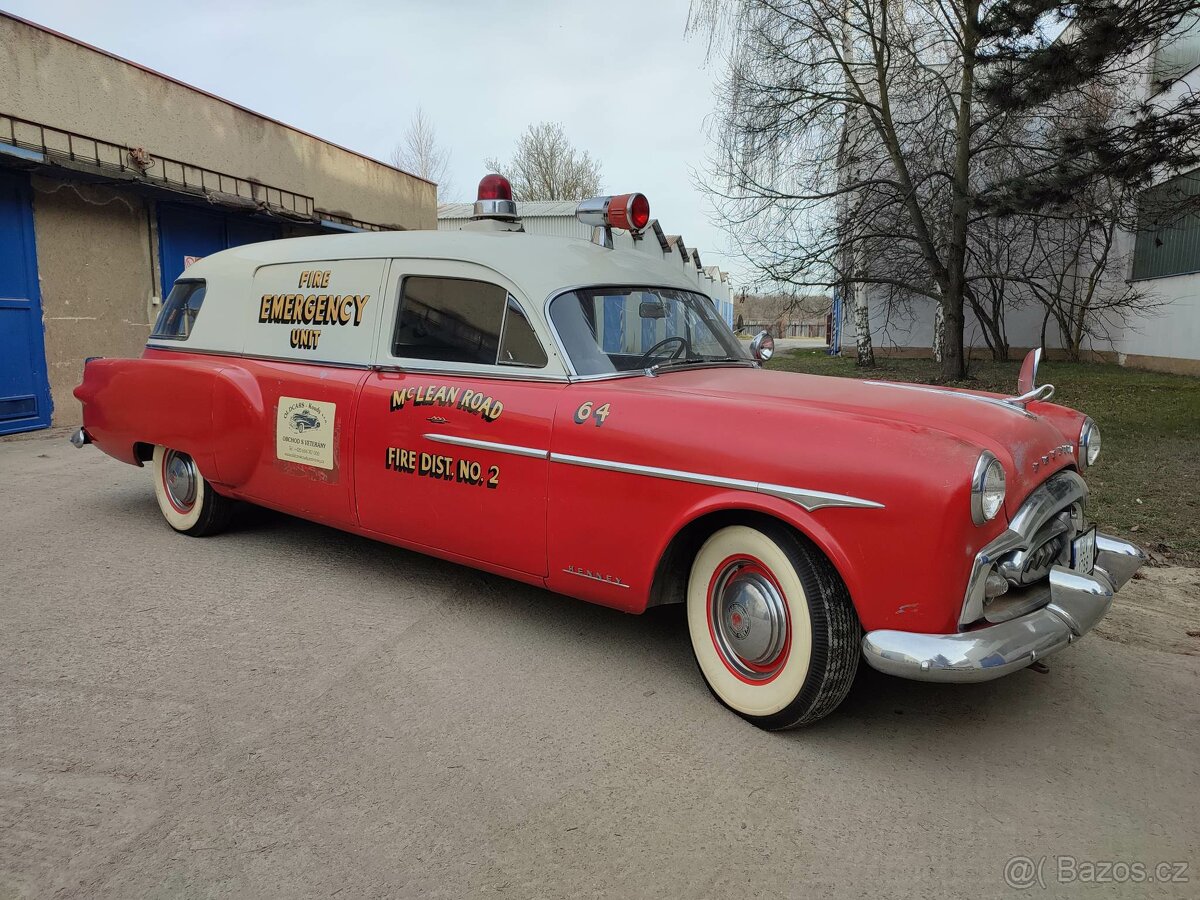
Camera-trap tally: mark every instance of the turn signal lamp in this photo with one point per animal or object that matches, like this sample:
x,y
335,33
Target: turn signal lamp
x,y
630,212
494,199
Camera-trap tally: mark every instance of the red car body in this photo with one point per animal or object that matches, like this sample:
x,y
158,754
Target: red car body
x,y
725,422
604,485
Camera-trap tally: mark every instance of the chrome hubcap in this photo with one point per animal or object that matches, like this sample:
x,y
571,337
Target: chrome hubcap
x,y
748,616
180,478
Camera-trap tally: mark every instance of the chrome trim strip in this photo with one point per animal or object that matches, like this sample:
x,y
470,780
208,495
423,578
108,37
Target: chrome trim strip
x,y
809,499
607,376
259,356
511,375
659,369
530,375
1002,404
512,449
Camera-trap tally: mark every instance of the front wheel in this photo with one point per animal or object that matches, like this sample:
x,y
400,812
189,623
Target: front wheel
x,y
187,501
772,626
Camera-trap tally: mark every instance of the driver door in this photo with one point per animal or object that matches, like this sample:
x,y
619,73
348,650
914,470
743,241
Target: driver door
x,y
454,424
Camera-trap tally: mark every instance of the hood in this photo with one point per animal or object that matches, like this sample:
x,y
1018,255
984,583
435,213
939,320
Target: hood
x,y
1018,437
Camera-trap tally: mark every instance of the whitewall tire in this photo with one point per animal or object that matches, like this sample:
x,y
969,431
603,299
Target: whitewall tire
x,y
772,626
186,499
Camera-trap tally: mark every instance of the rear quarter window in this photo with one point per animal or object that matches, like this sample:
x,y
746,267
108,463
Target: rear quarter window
x,y
180,310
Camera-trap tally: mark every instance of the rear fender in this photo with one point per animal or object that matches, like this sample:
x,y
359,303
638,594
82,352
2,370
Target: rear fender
x,y
203,409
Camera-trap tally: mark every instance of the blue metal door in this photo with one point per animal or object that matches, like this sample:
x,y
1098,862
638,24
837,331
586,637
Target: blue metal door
x,y
24,388
186,233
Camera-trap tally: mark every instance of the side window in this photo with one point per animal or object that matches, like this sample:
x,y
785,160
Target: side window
x,y
464,321
179,311
519,346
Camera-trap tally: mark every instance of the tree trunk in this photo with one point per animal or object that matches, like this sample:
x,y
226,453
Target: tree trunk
x,y
865,357
939,334
954,362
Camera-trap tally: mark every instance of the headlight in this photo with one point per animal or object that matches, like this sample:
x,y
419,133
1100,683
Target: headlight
x,y
1089,443
987,488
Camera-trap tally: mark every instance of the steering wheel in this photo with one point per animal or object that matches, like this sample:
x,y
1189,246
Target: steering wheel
x,y
684,348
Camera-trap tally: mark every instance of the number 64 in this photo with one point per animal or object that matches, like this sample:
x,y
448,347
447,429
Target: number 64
x,y
586,412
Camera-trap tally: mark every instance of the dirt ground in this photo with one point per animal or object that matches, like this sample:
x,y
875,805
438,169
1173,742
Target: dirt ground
x,y
289,711
1158,610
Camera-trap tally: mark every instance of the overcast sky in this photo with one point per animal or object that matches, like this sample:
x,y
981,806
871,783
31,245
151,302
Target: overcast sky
x,y
621,75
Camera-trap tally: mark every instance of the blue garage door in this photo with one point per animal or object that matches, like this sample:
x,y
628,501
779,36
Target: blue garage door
x,y
24,390
186,233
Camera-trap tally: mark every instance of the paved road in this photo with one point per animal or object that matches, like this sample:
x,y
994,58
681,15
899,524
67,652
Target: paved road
x,y
289,711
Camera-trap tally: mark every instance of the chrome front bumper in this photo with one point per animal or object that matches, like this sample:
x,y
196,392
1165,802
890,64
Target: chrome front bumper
x,y
1077,603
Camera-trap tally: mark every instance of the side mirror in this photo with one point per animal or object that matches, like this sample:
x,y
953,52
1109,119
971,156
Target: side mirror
x,y
763,346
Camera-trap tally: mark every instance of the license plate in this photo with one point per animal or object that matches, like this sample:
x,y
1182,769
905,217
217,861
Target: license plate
x,y
1083,552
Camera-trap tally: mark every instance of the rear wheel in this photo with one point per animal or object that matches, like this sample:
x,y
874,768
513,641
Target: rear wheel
x,y
188,502
772,626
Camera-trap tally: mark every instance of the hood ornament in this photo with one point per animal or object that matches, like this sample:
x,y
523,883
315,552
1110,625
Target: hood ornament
x,y
1027,381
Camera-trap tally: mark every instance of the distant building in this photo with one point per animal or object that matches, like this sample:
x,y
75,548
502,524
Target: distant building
x,y
557,218
1161,261
113,178
783,315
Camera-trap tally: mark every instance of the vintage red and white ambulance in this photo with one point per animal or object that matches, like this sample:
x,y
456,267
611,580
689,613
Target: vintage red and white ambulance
x,y
575,415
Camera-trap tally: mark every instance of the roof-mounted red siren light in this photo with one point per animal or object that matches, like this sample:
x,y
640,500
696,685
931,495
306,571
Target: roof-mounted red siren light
x,y
628,211
494,199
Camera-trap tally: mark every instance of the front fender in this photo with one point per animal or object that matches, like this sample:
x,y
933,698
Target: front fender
x,y
813,525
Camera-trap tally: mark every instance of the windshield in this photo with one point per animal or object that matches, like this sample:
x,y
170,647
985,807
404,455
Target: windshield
x,y
612,329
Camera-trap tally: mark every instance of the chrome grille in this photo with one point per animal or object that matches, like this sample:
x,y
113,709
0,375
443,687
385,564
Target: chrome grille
x,y
1038,538
1051,546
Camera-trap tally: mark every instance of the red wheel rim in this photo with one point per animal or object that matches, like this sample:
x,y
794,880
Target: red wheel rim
x,y
748,619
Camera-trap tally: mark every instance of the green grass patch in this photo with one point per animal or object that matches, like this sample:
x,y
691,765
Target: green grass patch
x,y
1145,485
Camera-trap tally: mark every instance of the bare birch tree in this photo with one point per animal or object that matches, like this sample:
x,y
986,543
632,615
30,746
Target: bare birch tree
x,y
420,153
855,139
546,166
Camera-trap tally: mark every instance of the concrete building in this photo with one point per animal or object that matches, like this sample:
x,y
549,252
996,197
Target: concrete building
x,y
113,178
1161,262
557,218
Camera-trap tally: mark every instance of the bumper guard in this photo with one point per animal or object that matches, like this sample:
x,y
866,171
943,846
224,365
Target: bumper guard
x,y
1077,603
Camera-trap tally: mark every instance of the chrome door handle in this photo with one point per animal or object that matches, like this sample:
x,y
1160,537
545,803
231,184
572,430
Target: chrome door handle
x,y
436,420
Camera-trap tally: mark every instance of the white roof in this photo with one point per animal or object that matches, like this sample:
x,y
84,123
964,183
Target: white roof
x,y
538,264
